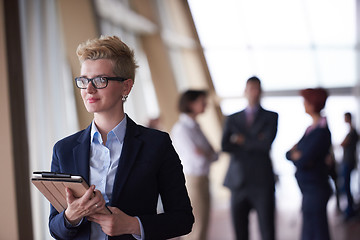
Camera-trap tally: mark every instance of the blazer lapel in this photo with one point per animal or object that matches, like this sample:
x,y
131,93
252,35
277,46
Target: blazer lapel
x,y
241,122
258,120
128,155
81,154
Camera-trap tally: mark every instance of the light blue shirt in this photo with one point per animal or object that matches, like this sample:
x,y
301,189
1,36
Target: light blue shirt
x,y
104,160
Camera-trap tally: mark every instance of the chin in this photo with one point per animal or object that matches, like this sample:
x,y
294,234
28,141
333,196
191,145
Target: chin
x,y
90,109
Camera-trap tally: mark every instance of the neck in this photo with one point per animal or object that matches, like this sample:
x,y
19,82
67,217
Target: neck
x,y
253,104
107,123
192,115
316,118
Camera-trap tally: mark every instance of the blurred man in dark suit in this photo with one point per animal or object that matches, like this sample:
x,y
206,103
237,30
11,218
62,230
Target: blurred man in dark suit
x,y
248,136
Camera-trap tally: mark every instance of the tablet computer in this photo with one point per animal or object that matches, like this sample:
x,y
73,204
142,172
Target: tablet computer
x,y
52,185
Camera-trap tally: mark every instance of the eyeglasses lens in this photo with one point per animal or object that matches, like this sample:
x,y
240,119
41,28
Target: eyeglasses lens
x,y
82,82
100,82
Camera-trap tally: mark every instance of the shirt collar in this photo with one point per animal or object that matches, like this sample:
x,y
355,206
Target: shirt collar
x,y
253,109
321,124
118,131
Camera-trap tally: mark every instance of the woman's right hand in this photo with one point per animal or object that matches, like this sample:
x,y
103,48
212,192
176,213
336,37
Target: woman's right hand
x,y
90,203
295,155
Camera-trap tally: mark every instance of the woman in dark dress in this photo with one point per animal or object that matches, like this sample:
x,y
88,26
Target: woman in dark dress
x,y
309,156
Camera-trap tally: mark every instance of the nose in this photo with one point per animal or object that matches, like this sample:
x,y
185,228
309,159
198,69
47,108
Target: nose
x,y
90,88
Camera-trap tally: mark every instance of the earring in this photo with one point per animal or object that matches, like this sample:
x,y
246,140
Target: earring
x,y
124,98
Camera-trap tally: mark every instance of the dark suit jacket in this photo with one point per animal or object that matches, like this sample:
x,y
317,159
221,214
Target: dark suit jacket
x,y
148,166
250,164
311,168
350,153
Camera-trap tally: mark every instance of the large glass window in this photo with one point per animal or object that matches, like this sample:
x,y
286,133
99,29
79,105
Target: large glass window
x,y
143,103
288,44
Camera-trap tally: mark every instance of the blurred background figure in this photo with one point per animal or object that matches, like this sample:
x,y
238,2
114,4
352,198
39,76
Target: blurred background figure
x,y
312,173
349,163
334,175
155,123
196,155
248,136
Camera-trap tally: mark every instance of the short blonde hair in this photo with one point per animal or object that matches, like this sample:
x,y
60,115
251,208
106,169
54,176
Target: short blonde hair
x,y
109,47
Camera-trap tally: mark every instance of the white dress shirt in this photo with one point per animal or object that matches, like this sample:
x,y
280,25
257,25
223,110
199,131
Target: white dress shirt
x,y
192,146
104,160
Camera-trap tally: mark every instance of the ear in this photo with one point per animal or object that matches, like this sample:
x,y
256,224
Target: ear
x,y
128,84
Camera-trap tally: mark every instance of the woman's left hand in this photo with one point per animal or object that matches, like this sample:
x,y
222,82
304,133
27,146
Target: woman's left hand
x,y
117,223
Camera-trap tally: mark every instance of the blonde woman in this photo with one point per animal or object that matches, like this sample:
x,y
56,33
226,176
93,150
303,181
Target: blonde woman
x,y
127,165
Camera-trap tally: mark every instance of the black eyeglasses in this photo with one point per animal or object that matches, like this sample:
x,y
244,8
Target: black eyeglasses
x,y
97,82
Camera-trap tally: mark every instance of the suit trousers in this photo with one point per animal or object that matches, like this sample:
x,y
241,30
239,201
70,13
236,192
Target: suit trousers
x,y
263,202
346,174
314,210
198,190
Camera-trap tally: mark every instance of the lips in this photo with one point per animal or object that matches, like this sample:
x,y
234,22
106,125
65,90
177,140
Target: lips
x,y
92,100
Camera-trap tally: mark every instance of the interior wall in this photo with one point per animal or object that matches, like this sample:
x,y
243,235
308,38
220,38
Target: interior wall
x,y
159,63
15,200
197,71
78,25
8,224
199,77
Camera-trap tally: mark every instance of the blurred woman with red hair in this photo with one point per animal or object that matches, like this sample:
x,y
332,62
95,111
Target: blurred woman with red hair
x,y
309,156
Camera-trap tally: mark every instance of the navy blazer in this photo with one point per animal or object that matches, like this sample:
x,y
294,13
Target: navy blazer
x,y
148,166
250,164
311,168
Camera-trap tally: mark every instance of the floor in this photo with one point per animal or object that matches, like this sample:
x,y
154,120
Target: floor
x,y
288,214
288,223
